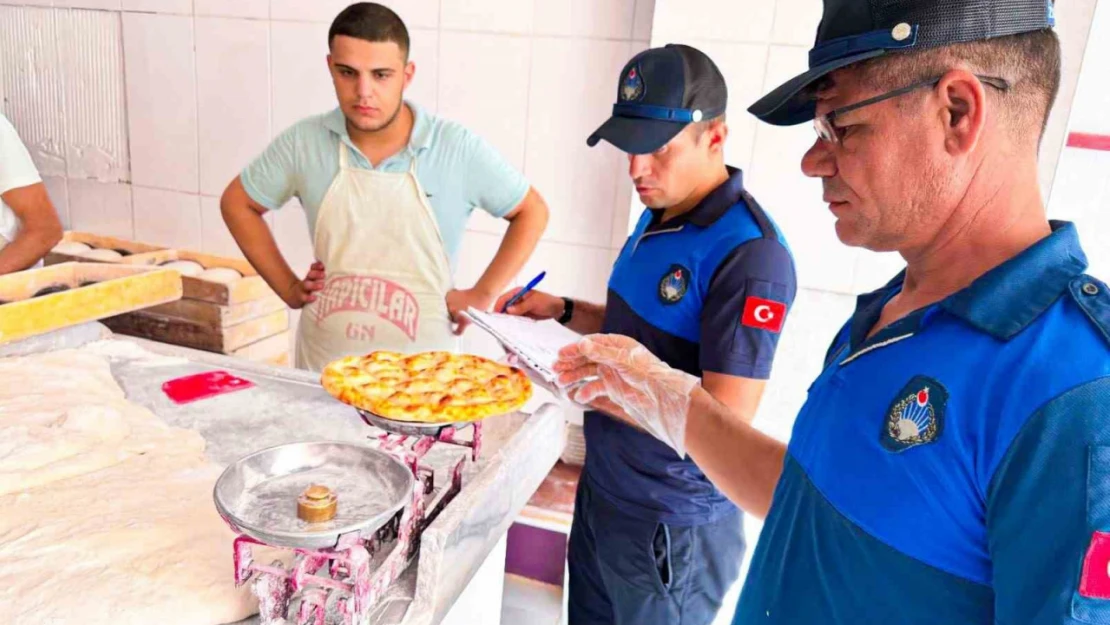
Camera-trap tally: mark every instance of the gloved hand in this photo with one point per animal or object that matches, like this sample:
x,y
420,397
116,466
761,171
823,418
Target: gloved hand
x,y
651,394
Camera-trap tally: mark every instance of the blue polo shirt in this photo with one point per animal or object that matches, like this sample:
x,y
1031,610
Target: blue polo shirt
x,y
955,467
706,291
458,170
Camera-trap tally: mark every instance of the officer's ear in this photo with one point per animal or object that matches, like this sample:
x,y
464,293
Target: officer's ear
x,y
715,133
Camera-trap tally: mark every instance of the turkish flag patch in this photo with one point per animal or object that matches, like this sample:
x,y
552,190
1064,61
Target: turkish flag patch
x,y
763,314
1095,581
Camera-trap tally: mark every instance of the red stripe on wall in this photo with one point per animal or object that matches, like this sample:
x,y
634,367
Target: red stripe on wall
x,y
1089,141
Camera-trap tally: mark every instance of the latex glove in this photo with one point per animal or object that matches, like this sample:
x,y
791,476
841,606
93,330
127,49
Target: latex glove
x,y
651,394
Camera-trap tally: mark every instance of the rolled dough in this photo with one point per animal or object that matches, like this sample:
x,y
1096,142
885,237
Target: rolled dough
x,y
221,274
102,254
73,248
185,267
108,514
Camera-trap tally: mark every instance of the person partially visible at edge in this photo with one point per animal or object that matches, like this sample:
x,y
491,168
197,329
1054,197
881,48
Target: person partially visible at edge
x,y
387,188
29,224
952,461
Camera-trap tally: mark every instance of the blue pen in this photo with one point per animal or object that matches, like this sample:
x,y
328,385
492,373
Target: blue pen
x,y
516,298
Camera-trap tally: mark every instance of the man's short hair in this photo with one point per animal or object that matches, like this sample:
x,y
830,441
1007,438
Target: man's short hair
x,y
1030,62
371,22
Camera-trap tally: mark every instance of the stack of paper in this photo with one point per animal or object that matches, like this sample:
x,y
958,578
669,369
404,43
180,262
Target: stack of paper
x,y
535,343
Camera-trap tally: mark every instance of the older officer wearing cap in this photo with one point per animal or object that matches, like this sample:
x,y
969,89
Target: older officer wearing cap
x,y
704,281
952,462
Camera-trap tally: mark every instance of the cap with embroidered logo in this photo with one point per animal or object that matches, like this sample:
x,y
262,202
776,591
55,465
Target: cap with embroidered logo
x,y
660,92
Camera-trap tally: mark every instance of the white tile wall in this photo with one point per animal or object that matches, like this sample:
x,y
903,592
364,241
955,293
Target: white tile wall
x,y
415,13
299,68
290,229
743,65
641,24
169,218
59,197
214,235
256,9
161,100
581,182
489,16
678,20
100,207
585,18
168,7
492,102
795,22
424,54
233,87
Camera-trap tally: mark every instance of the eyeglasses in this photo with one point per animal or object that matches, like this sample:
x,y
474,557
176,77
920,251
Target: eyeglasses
x,y
830,133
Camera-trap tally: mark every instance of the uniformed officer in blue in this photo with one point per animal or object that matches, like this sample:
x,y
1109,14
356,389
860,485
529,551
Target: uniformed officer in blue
x,y
705,282
952,462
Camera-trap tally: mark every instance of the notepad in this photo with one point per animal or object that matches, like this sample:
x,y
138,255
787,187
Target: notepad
x,y
535,343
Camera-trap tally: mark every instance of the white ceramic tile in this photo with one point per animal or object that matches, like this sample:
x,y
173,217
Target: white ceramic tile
x,y
504,16
743,66
100,207
92,75
796,22
475,254
1094,232
415,13
174,7
1082,185
611,19
161,100
301,83
424,53
491,101
724,20
215,238
32,89
30,3
291,233
256,9
579,182
233,103
104,5
874,269
642,20
626,212
169,218
59,197
572,270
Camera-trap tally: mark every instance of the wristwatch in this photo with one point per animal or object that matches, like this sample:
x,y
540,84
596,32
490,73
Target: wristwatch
x,y
568,311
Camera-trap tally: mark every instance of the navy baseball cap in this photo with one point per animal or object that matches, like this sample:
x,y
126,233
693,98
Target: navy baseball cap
x,y
856,30
660,92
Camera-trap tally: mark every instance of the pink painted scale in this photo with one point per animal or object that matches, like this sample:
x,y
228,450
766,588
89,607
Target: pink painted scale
x,y
347,565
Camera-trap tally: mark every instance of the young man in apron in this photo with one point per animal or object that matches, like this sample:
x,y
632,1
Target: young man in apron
x,y
29,225
704,283
387,189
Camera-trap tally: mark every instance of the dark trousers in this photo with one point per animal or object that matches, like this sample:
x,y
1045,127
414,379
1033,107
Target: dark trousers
x,y
629,571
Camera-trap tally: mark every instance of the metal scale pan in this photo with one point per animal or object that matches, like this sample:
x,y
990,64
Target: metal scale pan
x,y
257,495
410,428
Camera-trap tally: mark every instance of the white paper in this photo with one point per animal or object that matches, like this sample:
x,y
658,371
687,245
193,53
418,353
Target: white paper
x,y
535,343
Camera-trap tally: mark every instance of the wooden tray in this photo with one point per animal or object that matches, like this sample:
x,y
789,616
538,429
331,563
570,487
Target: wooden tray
x,y
97,241
198,335
215,315
95,291
250,287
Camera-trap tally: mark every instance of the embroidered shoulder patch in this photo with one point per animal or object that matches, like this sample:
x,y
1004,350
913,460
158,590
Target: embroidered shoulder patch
x,y
916,416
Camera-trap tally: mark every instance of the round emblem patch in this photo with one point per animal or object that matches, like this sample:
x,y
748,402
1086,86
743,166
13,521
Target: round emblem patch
x,y
674,284
632,87
916,417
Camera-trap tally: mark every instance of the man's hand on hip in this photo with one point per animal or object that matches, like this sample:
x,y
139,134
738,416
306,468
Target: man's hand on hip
x,y
458,300
303,292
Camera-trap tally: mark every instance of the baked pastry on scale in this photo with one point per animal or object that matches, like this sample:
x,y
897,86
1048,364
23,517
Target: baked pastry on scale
x,y
431,387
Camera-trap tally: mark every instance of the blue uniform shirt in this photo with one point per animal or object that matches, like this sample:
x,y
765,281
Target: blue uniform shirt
x,y
955,467
706,291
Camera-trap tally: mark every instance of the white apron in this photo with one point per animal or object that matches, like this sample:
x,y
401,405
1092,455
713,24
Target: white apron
x,y
387,271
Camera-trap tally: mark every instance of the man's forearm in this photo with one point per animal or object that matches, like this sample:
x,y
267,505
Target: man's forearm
x,y
254,238
740,460
28,248
524,232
